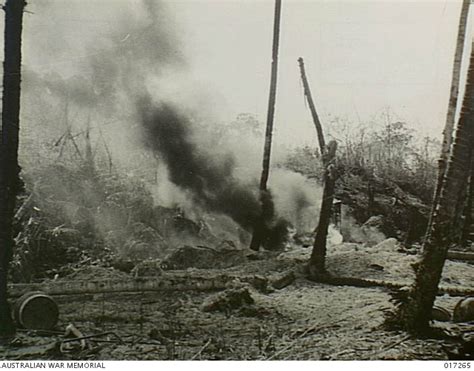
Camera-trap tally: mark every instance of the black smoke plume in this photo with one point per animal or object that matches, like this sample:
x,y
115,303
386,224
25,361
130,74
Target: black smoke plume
x,y
208,179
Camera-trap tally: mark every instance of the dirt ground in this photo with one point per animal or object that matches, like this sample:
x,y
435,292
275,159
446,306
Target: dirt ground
x,y
302,321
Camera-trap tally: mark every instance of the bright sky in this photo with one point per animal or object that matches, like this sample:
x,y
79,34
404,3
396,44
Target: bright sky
x,y
362,57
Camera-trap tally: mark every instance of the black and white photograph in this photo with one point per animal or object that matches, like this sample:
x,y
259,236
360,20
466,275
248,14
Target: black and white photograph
x,y
236,180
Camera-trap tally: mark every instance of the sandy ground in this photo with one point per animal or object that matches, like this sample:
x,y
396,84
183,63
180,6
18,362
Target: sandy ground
x,y
303,321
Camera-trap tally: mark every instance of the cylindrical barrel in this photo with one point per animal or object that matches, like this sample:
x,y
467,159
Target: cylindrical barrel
x,y
464,310
36,311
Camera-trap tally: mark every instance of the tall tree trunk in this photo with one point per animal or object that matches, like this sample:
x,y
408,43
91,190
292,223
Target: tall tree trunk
x,y
453,100
415,313
259,230
9,169
317,262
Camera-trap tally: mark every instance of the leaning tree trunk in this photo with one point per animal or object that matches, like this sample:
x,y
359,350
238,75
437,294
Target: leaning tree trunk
x,y
317,262
9,170
416,312
312,108
453,100
259,228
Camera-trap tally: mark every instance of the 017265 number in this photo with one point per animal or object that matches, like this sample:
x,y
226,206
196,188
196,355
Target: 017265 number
x,y
458,365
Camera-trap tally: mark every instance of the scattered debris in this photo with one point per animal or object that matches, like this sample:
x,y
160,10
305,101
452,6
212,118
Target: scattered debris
x,y
462,349
228,300
282,280
204,257
376,267
389,245
94,273
198,354
391,346
72,334
22,352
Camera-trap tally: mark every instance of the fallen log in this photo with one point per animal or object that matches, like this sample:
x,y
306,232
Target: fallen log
x,y
363,282
459,255
170,281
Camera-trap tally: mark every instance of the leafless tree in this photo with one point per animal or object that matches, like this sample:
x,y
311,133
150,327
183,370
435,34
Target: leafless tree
x,y
259,230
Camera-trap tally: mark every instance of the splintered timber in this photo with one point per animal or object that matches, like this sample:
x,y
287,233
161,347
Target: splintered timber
x,y
49,365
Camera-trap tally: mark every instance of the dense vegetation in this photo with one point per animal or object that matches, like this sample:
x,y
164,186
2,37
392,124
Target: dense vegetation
x,y
383,170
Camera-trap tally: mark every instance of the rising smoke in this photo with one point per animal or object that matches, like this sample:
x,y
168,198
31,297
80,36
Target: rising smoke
x,y
124,73
209,180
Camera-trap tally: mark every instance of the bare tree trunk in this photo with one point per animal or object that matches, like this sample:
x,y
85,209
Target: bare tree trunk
x,y
317,262
10,182
259,230
453,100
415,313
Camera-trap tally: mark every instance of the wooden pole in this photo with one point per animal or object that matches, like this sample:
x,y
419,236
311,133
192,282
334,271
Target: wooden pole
x,y
258,233
10,183
272,98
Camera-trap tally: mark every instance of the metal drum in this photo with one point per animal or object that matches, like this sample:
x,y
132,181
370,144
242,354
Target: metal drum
x,y
36,311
